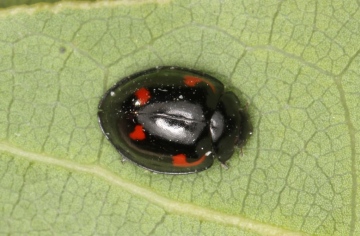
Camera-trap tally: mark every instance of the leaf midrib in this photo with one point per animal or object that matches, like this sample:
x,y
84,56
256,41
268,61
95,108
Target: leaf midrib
x,y
165,203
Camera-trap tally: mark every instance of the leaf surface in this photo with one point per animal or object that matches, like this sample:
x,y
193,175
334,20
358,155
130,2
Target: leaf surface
x,y
296,63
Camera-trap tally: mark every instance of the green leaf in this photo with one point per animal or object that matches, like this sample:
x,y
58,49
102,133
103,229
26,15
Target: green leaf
x,y
296,63
10,3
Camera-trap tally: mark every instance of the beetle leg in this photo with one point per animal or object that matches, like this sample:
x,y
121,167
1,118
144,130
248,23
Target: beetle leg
x,y
226,167
241,151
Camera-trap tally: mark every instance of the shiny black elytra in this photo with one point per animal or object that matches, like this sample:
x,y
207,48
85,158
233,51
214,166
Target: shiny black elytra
x,y
173,120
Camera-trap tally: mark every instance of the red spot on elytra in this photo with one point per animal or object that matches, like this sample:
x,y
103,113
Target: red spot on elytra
x,y
180,161
138,133
192,81
143,95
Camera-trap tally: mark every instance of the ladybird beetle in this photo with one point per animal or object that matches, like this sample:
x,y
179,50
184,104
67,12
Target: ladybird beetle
x,y
173,120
